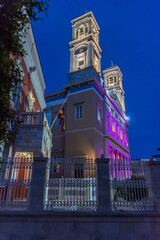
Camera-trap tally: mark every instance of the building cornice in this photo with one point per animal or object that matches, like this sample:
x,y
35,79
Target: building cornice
x,y
80,40
116,142
28,59
89,14
111,69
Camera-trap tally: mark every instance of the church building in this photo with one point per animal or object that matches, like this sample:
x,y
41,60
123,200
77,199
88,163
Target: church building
x,y
93,119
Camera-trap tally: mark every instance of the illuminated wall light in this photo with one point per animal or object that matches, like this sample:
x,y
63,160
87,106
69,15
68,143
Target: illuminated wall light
x,y
127,118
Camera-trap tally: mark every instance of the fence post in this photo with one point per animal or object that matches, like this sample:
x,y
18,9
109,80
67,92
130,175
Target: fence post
x,y
155,178
37,184
103,185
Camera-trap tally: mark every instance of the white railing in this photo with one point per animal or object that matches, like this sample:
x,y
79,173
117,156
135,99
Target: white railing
x,y
15,180
130,186
70,185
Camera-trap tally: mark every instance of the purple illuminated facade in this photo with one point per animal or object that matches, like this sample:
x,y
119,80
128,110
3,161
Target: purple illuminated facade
x,y
116,139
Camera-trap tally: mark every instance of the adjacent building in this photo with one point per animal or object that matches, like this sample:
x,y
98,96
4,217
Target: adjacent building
x,y
34,137
94,107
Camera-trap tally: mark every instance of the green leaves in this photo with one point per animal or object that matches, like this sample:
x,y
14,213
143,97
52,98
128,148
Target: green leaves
x,y
15,18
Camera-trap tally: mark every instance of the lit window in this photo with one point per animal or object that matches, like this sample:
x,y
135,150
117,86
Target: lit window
x,y
30,102
79,111
113,125
121,133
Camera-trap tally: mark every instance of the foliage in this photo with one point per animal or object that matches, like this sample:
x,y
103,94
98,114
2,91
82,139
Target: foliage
x,y
15,18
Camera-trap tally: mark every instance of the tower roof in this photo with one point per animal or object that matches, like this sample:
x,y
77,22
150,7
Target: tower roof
x,y
112,68
89,14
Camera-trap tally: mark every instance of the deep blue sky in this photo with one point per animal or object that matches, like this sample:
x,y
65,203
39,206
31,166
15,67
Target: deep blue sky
x,y
130,36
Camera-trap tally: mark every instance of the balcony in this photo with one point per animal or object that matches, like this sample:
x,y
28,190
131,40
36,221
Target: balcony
x,y
34,134
32,118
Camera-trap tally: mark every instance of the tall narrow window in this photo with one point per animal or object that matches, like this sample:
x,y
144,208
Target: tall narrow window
x,y
78,111
86,28
99,113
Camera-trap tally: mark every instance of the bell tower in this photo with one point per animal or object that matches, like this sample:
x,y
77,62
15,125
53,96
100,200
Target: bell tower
x,y
113,82
84,48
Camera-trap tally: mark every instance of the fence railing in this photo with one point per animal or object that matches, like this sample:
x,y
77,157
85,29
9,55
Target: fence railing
x,y
104,186
130,186
70,185
15,180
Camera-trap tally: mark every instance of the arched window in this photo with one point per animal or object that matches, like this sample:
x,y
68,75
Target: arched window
x,y
115,154
111,80
81,30
110,152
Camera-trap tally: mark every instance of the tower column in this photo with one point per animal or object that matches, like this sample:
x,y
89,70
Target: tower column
x,y
90,54
71,59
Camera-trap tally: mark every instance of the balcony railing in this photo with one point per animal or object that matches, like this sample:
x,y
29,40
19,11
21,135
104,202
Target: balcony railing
x,y
32,118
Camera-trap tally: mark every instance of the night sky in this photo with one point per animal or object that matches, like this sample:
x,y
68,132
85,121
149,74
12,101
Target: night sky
x,y
130,37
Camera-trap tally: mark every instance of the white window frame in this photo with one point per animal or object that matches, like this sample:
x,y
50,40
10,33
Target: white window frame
x,y
78,111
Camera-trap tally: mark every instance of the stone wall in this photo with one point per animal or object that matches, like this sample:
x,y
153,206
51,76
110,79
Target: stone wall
x,y
35,223
79,228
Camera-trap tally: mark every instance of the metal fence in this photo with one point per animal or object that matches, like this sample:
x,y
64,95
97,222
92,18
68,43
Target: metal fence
x,y
130,186
15,180
70,185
